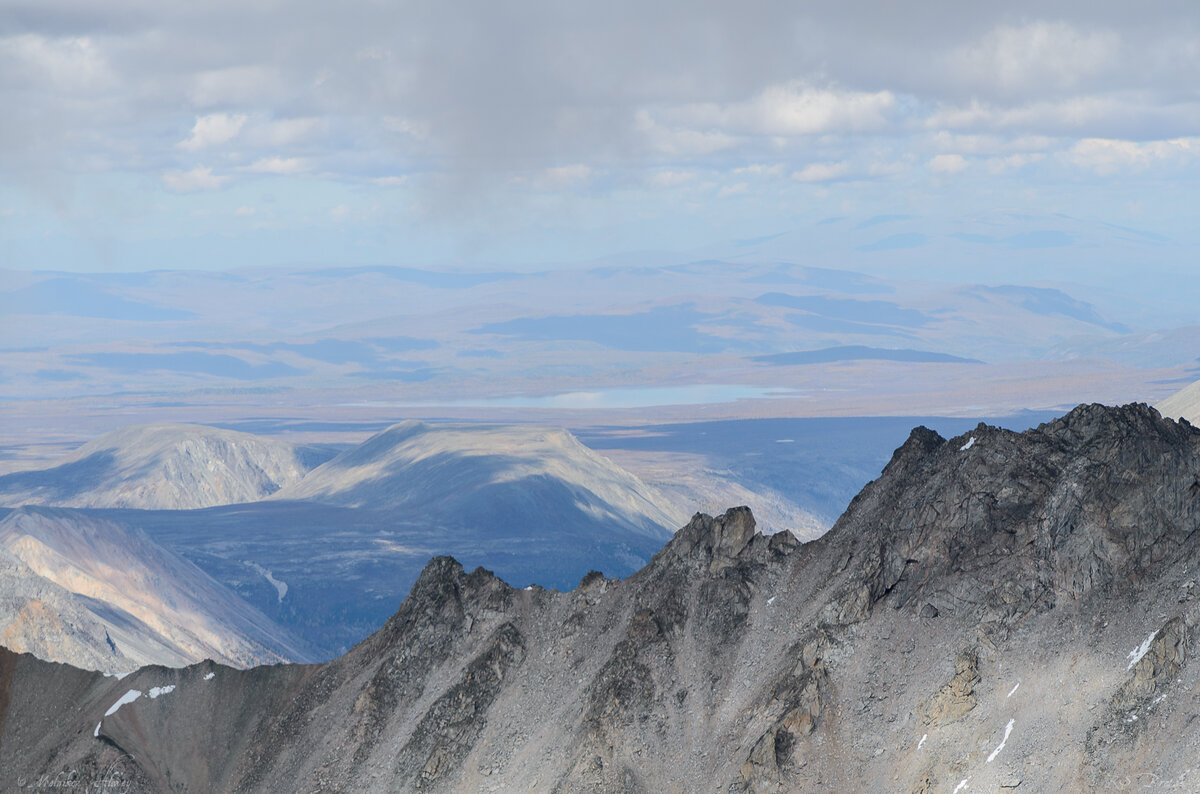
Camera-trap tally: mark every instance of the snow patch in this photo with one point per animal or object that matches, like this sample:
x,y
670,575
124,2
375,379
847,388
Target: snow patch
x,y
770,600
1137,653
155,691
280,587
209,676
97,731
1014,689
1007,730
970,443
128,697
923,738
962,785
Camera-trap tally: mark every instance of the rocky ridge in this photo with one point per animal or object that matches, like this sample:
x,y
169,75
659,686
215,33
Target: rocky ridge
x,y
997,611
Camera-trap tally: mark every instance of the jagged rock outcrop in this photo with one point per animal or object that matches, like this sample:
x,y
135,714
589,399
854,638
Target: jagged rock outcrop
x,y
957,697
996,611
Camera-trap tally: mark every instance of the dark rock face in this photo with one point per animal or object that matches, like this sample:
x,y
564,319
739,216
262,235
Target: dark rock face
x,y
1004,524
1010,610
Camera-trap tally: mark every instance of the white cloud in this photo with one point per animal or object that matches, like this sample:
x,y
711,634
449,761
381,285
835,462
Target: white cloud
x,y
340,212
373,52
670,179
237,85
1075,113
282,132
799,109
947,163
739,189
820,172
564,175
794,108
758,169
244,211
213,130
802,95
199,178
279,165
410,127
887,168
950,142
679,141
71,64
1035,57
1012,162
1106,155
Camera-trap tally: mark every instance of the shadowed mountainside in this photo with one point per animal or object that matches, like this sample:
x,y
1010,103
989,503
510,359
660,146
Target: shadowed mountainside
x,y
482,475
998,610
102,595
164,467
326,564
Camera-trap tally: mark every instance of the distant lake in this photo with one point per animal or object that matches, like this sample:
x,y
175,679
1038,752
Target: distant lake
x,y
695,394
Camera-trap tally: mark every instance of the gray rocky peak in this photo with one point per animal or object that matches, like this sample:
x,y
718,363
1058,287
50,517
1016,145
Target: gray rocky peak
x,y
996,611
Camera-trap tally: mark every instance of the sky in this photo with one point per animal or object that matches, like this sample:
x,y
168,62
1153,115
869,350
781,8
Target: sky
x,y
144,134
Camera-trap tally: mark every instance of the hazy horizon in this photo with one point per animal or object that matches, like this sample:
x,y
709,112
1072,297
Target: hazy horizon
x,y
1054,141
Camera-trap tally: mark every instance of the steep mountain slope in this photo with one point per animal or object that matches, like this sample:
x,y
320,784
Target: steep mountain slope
x,y
1183,404
998,611
485,475
163,467
329,562
104,596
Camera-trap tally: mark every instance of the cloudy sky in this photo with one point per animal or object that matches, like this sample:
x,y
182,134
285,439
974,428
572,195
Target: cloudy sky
x,y
142,134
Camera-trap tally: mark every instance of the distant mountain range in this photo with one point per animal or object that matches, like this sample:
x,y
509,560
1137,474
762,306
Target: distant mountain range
x,y
1183,404
164,467
293,559
484,475
998,611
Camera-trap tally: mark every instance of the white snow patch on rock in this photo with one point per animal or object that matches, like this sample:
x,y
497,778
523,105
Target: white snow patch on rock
x,y
970,443
1014,689
923,738
962,785
770,600
128,697
1007,730
155,691
1137,653
209,676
